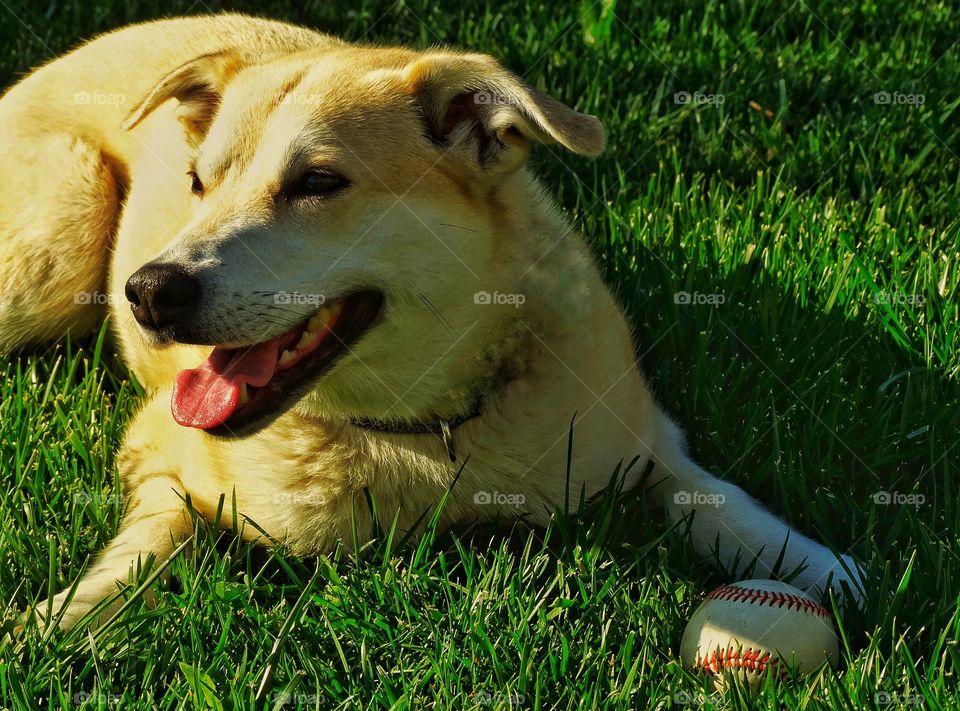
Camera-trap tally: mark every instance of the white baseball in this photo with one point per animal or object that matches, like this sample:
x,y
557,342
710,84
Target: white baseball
x,y
759,626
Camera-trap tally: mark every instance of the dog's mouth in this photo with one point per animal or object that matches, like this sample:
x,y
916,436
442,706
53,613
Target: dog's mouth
x,y
238,390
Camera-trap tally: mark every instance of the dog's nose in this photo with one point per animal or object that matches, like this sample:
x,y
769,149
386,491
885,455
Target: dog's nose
x,y
159,294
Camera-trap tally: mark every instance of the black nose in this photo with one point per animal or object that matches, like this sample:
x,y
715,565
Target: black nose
x,y
160,294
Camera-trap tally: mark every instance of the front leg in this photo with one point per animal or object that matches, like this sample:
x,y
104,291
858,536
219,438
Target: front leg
x,y
161,466
156,522
722,513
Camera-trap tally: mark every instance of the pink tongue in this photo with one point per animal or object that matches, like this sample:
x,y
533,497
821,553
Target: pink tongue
x,y
207,396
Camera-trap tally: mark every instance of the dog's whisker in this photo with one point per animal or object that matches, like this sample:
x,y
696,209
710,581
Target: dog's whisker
x,y
459,227
433,309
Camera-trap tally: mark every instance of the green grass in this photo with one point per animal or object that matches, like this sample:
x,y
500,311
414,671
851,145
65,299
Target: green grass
x,y
806,385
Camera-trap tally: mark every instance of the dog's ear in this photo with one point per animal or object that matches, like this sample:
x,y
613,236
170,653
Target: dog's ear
x,y
470,101
197,85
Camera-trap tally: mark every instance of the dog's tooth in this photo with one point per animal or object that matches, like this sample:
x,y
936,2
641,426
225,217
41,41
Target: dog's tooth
x,y
318,322
306,339
244,395
285,357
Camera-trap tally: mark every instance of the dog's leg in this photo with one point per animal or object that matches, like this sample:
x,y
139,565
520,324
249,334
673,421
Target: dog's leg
x,y
723,514
155,523
58,208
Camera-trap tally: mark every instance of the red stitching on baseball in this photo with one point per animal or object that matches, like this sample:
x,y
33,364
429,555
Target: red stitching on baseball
x,y
755,661
765,597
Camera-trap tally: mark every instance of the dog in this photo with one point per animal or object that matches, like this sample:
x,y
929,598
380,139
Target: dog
x,y
333,272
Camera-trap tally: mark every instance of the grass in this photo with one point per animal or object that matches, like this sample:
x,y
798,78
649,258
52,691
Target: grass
x,y
827,222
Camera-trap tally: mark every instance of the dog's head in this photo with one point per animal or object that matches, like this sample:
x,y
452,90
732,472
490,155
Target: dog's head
x,y
363,220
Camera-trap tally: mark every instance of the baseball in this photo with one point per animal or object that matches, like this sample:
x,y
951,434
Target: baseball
x,y
759,626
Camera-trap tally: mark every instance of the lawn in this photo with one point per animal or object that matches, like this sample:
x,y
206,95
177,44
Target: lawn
x,y
791,171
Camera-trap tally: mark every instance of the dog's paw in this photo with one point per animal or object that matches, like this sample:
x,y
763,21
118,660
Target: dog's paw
x,y
843,575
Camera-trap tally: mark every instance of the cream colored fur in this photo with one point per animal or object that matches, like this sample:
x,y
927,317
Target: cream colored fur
x,y
96,190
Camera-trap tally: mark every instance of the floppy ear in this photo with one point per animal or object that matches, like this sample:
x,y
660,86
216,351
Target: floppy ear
x,y
198,85
470,101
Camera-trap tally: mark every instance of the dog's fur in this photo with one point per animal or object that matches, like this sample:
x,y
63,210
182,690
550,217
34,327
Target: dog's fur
x,y
440,207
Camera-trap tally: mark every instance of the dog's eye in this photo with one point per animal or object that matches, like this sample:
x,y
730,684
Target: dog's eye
x,y
196,187
316,183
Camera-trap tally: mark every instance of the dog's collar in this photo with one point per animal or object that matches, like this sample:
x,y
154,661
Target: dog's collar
x,y
439,427
508,369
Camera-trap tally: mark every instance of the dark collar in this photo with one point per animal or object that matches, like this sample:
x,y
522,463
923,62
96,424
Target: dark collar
x,y
438,426
505,373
